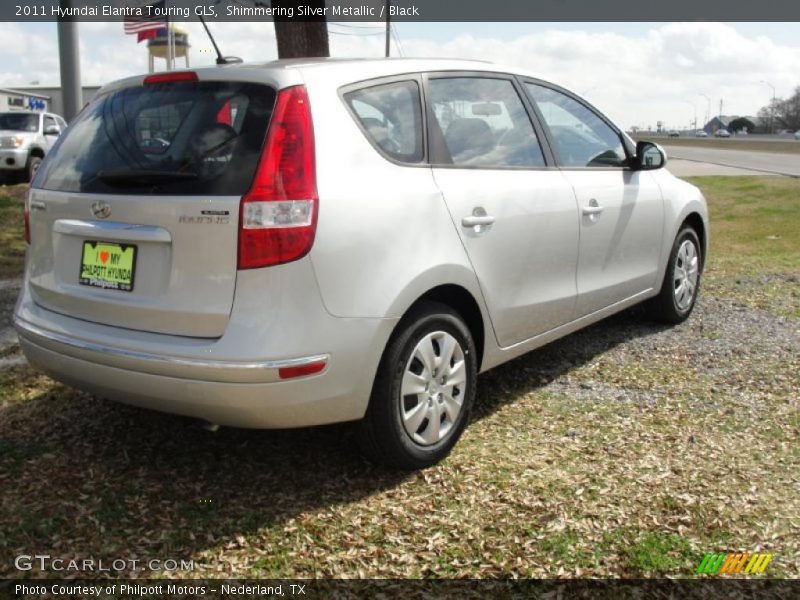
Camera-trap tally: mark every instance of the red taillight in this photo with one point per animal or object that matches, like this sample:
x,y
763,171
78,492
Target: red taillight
x,y
171,77
27,217
302,370
278,216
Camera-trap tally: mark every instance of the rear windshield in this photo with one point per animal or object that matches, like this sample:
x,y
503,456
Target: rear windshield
x,y
19,122
181,138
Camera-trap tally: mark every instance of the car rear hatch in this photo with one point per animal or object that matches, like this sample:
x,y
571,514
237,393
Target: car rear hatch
x,y
134,216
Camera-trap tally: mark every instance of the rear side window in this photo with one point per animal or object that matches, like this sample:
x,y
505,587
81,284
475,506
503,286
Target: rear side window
x,y
391,117
484,123
177,138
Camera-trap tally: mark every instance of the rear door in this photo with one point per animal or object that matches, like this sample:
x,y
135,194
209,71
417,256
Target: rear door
x,y
134,215
516,216
621,210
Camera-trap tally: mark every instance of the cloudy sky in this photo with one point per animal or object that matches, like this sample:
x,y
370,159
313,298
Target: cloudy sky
x,y
638,73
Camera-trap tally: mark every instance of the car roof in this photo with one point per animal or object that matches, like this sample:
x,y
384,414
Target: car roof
x,y
356,68
345,70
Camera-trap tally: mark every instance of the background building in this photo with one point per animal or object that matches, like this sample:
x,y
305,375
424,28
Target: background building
x,y
724,121
23,100
52,96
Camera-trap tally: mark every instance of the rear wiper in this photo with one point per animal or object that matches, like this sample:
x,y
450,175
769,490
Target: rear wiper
x,y
142,176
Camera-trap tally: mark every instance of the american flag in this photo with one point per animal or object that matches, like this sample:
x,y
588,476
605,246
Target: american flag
x,y
146,27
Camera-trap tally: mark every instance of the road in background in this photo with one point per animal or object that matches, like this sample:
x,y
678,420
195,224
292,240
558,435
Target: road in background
x,y
690,168
756,162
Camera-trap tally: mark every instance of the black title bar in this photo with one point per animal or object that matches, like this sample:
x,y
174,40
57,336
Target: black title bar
x,y
406,10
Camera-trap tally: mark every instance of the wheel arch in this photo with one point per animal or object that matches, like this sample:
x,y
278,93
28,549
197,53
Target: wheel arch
x,y
695,221
463,302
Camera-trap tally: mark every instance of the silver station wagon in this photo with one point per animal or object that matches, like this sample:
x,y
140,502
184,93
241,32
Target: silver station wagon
x,y
307,242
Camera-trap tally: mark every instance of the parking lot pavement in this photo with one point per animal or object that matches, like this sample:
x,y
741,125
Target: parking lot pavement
x,y
761,163
690,168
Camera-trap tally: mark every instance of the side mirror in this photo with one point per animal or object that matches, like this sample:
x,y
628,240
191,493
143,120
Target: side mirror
x,y
650,156
52,130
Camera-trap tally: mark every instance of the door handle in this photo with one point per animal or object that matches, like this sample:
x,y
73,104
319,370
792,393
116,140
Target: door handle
x,y
477,220
593,209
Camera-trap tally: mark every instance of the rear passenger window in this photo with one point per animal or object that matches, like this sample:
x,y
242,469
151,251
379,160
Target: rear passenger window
x,y
391,117
484,123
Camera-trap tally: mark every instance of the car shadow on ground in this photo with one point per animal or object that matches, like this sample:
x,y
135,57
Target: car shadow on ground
x,y
83,475
539,368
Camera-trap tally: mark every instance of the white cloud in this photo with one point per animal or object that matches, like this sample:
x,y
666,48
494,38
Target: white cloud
x,y
637,80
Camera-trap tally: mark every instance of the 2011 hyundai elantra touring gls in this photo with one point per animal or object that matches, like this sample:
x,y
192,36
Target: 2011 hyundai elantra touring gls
x,y
306,242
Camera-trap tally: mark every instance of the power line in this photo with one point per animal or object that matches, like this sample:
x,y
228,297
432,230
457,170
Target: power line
x,y
355,34
397,39
351,26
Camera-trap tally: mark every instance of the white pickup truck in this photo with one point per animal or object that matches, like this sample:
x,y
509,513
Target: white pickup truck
x,y
25,139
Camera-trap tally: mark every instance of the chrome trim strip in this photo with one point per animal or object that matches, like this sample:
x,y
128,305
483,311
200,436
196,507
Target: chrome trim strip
x,y
114,229
24,327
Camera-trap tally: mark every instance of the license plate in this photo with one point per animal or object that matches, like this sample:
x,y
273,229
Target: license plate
x,y
108,265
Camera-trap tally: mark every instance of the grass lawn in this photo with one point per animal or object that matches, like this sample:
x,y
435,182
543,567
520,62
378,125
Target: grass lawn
x,y
755,240
12,243
628,449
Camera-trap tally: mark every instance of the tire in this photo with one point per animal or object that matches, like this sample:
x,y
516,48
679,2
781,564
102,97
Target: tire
x,y
34,162
681,284
398,430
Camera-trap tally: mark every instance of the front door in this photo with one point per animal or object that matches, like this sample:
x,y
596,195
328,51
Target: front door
x,y
621,210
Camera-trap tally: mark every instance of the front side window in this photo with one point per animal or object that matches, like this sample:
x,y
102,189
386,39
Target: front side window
x,y
581,137
484,123
391,116
177,138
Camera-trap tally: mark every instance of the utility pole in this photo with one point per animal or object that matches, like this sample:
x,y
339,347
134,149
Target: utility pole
x,y
388,28
771,107
69,64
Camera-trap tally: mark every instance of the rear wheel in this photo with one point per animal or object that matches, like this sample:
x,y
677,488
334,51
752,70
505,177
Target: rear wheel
x,y
678,294
34,162
423,391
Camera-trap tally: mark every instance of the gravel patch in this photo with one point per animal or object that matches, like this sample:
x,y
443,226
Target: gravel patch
x,y
723,344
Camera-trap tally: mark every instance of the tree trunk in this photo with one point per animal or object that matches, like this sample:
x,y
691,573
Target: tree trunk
x,y
300,39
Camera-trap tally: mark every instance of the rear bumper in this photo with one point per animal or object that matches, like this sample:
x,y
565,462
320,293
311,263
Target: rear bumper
x,y
295,403
232,380
146,362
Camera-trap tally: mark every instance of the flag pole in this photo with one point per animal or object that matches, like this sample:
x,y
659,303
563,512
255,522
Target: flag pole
x,y
170,49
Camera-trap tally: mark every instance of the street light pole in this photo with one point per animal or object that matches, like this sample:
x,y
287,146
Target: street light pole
x,y
708,109
771,107
694,106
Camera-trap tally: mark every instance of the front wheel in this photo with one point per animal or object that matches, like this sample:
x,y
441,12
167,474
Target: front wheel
x,y
423,391
678,294
34,162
